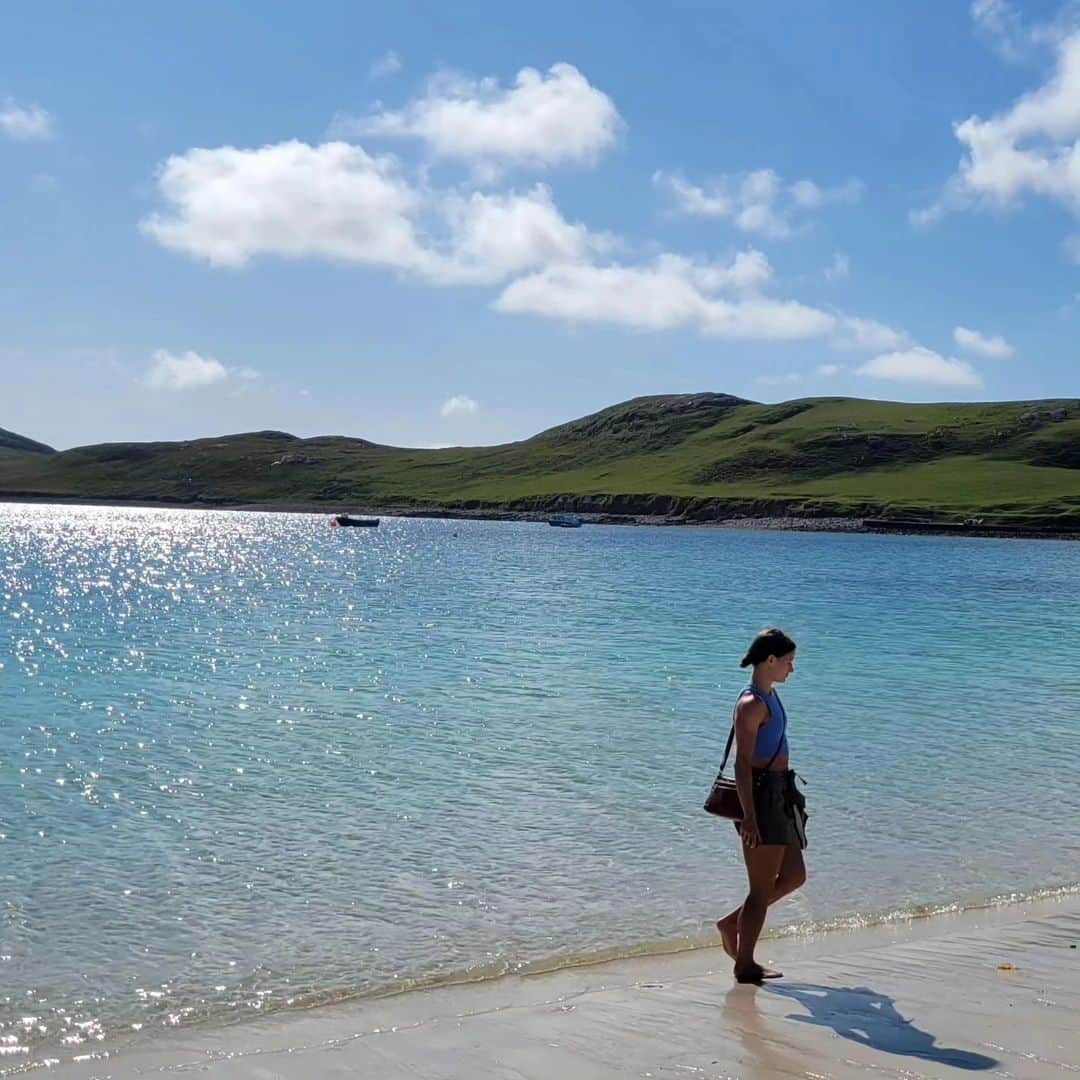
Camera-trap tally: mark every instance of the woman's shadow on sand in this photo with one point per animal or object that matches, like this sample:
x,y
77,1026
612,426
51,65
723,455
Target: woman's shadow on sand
x,y
871,1019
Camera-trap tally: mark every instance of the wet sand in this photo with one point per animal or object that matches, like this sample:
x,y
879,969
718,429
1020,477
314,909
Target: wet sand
x,y
995,991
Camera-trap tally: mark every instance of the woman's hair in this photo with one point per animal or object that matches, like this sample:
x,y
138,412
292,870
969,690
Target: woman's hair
x,y
771,642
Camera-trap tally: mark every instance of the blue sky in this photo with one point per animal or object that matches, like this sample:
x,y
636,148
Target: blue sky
x,y
433,228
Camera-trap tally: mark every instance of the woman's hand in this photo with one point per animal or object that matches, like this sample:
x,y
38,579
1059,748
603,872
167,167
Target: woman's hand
x,y
749,832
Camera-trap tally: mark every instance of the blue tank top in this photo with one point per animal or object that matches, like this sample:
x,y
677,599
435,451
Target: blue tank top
x,y
772,735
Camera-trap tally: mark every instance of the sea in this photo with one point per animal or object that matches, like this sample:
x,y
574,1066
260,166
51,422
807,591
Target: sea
x,y
249,762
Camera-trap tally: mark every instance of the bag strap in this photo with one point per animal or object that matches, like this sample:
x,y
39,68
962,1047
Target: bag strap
x,y
731,737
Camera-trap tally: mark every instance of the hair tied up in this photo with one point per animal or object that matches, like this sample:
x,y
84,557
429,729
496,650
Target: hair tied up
x,y
770,642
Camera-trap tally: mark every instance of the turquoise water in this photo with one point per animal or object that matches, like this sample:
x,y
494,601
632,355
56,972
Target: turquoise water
x,y
247,760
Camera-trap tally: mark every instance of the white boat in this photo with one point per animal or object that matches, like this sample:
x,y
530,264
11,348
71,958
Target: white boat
x,y
565,521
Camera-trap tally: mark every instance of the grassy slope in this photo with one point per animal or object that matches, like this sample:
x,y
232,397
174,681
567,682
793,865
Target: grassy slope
x,y
704,454
10,441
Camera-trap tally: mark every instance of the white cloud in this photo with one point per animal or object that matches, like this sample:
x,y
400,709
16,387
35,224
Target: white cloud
x,y
1033,147
459,405
829,370
673,292
840,269
495,236
545,119
952,199
29,122
757,202
293,200
191,371
996,348
748,271
695,201
186,371
643,298
757,205
867,335
1002,25
812,196
388,64
766,320
335,201
918,364
1016,40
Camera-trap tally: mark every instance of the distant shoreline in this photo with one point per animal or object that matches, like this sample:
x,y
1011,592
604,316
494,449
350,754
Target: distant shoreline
x,y
779,523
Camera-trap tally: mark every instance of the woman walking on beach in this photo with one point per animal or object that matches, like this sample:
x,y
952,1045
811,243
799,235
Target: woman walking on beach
x,y
773,826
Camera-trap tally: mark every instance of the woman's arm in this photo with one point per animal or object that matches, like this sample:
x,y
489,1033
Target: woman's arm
x,y
750,714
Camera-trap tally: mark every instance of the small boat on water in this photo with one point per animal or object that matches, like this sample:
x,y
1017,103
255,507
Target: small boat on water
x,y
565,521
346,521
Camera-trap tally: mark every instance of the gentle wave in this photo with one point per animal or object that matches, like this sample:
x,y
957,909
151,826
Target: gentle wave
x,y
674,946
236,1012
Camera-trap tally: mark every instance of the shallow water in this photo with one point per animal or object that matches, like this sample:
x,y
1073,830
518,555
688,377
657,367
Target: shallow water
x,y
247,760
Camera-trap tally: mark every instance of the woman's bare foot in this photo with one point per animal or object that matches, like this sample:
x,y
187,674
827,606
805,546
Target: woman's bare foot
x,y
755,973
729,933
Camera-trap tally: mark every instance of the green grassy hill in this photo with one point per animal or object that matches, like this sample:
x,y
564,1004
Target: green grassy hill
x,y
10,441
702,456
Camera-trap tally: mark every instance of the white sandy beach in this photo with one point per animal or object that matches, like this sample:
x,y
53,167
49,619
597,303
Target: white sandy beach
x,y
995,991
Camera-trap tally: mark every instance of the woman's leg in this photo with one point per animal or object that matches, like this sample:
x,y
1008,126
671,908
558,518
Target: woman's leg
x,y
792,876
763,868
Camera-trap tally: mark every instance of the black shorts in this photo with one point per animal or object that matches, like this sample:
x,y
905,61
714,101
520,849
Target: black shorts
x,y
780,807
